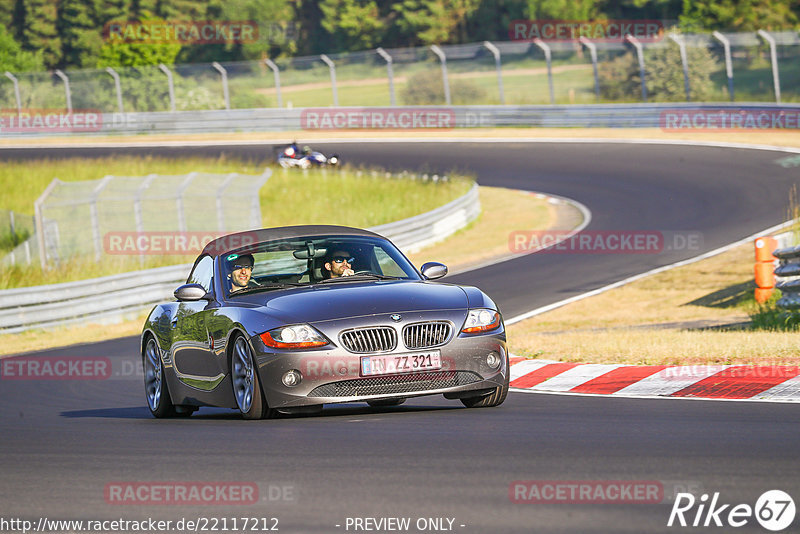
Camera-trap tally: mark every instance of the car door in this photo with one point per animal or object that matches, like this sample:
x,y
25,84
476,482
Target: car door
x,y
192,349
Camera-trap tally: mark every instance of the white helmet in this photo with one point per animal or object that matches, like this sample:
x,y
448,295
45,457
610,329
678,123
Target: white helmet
x,y
289,152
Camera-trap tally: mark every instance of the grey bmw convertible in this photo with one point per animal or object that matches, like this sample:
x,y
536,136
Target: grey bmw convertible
x,y
286,320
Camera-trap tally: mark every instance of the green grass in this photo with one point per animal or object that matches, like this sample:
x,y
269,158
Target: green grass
x,y
352,197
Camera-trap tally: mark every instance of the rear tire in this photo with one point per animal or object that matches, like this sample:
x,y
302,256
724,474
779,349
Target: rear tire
x,y
491,400
246,386
155,386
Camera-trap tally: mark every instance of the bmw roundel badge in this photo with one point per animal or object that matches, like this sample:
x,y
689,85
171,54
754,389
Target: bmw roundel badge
x,y
396,317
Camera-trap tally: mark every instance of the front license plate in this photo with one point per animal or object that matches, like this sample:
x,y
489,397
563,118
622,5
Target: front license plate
x,y
387,364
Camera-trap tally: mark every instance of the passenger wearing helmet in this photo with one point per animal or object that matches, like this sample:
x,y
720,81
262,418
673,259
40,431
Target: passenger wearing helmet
x,y
240,267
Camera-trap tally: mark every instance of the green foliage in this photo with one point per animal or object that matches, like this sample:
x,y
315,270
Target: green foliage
x,y
9,241
353,24
769,317
739,15
13,58
563,9
664,74
620,79
80,24
427,87
39,33
436,21
118,53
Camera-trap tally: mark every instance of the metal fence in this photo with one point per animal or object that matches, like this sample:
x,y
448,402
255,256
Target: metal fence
x,y
124,295
15,232
84,218
487,73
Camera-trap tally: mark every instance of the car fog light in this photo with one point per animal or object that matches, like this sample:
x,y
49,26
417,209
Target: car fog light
x,y
291,378
493,360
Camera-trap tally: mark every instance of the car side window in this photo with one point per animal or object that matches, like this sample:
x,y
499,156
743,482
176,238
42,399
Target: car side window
x,y
203,273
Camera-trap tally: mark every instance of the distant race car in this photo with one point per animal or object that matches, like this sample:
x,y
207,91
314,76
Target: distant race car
x,y
286,320
293,156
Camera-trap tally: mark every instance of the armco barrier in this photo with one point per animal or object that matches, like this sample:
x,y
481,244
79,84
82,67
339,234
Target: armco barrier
x,y
114,297
789,269
279,119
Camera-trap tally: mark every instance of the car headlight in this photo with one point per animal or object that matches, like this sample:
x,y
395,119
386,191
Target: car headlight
x,y
481,321
296,336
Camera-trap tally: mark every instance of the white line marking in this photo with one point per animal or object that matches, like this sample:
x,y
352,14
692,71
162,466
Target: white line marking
x,y
785,391
543,309
575,377
670,380
527,367
752,399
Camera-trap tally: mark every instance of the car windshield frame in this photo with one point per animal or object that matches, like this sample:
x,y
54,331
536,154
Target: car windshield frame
x,y
299,262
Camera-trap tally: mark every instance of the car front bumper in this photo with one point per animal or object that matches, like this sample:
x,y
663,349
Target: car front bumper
x,y
334,375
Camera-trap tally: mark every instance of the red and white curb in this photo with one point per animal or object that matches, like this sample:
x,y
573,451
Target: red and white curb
x,y
779,383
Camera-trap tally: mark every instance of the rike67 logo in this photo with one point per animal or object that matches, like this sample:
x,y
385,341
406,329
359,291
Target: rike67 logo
x,y
774,510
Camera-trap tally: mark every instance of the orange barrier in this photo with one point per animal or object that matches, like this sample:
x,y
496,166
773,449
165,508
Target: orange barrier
x,y
765,268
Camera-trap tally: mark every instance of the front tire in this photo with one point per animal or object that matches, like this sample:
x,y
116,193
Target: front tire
x,y
246,387
491,400
155,384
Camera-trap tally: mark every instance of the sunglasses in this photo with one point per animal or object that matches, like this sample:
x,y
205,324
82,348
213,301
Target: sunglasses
x,y
340,259
237,267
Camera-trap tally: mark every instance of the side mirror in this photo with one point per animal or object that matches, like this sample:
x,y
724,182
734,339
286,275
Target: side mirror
x,y
433,270
190,292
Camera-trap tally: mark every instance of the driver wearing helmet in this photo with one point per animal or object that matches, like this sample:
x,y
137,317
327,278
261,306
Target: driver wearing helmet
x,y
292,151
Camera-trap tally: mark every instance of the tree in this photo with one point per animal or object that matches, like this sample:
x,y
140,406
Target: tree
x,y
37,19
563,9
620,79
353,24
116,52
7,13
739,15
436,21
13,58
80,37
274,35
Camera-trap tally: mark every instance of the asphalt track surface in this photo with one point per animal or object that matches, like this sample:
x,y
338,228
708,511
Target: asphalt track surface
x,y
62,442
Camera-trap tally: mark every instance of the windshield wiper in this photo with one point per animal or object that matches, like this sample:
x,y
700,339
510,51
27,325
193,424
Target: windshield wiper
x,y
362,275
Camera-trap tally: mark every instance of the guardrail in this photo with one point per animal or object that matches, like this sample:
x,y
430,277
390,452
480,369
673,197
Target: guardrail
x,y
788,268
447,117
113,298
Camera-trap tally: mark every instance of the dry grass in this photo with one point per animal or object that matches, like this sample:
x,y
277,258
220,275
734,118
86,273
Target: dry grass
x,y
664,347
502,211
473,242
608,328
34,340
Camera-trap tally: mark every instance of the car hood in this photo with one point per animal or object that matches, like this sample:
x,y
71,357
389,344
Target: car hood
x,y
351,299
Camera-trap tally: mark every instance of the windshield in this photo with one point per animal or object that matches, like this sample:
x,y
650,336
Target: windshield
x,y
312,260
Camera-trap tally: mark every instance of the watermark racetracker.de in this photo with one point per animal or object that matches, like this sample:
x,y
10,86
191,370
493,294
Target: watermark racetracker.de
x,y
185,32
675,120
70,368
44,120
600,491
403,118
603,242
196,493
603,31
171,243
